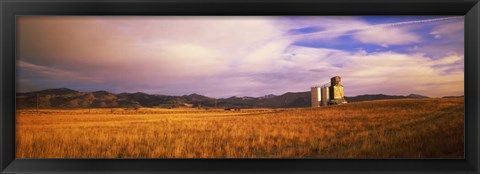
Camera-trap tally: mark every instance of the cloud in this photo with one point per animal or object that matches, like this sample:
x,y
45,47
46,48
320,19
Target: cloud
x,y
330,27
448,38
264,57
396,33
448,60
51,72
386,36
451,29
385,72
225,56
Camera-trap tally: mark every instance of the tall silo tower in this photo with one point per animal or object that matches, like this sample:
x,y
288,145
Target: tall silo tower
x,y
315,95
337,95
325,96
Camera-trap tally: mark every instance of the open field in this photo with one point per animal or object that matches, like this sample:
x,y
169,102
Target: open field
x,y
405,128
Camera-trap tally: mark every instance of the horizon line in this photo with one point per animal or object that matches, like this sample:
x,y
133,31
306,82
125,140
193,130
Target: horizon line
x,y
230,96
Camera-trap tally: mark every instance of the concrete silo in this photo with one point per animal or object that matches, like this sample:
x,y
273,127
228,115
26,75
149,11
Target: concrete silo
x,y
324,96
330,93
315,95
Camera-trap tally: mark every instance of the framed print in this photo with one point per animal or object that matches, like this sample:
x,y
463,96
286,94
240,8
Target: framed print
x,y
296,87
241,87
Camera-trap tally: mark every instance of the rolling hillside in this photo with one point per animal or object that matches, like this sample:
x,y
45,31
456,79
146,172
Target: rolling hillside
x,y
68,98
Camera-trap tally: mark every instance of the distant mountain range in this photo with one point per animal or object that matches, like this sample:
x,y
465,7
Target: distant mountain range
x,y
68,98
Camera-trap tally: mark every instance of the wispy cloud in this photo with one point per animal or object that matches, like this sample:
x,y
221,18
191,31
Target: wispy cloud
x,y
52,73
244,56
361,26
396,33
384,72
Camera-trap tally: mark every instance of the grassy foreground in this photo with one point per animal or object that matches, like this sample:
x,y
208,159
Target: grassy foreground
x,y
407,128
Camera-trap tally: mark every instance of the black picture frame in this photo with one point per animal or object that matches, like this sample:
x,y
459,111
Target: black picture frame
x,y
9,9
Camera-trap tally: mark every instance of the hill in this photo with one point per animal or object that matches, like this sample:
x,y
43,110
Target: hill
x,y
369,97
68,98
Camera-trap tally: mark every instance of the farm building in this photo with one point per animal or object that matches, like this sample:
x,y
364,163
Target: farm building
x,y
316,96
331,93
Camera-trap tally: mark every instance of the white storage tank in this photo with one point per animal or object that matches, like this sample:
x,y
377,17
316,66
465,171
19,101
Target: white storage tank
x,y
315,95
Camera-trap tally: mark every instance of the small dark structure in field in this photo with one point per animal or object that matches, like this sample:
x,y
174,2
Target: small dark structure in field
x,y
232,109
328,95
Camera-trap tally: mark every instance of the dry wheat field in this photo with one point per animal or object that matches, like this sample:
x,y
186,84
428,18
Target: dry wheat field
x,y
403,128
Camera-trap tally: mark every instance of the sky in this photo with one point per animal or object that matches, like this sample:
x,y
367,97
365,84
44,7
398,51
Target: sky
x,y
223,56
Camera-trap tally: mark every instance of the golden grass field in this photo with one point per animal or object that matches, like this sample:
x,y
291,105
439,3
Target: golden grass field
x,y
405,128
